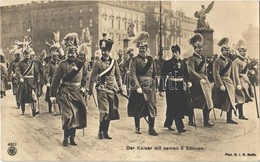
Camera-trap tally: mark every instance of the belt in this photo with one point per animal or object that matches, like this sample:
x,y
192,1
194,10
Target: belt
x,y
28,76
176,79
71,83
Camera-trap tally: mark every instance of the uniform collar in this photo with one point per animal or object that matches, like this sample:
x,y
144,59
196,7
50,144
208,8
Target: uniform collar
x,y
197,55
105,59
241,57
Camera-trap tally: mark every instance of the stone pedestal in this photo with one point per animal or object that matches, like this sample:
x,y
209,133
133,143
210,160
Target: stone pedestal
x,y
207,41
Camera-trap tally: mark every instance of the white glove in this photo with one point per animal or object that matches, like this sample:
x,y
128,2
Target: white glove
x,y
53,99
48,84
83,90
14,75
203,81
189,84
252,72
139,90
161,94
239,87
222,88
21,80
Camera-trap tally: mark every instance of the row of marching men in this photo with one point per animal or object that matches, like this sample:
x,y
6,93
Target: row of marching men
x,y
185,83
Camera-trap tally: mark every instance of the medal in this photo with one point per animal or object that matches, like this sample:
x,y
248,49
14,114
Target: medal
x,y
179,65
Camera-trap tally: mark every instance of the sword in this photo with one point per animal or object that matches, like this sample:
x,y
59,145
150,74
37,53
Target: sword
x,y
257,111
195,125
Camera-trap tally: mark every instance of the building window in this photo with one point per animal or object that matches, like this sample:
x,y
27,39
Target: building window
x,y
91,22
37,24
62,23
81,22
53,24
70,22
118,24
119,38
24,26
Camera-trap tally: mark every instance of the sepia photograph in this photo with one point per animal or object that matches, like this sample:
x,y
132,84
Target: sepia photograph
x,y
129,80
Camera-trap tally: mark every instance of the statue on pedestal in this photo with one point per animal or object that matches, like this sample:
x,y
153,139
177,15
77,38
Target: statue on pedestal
x,y
201,15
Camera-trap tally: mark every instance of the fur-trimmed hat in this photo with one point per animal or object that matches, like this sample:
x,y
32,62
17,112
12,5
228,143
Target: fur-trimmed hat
x,y
223,43
106,45
141,39
196,40
175,48
241,45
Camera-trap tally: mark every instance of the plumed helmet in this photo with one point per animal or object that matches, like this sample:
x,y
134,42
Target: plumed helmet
x,y
241,45
196,40
223,43
71,39
141,39
175,48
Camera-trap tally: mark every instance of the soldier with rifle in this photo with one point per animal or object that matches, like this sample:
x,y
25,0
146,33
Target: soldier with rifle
x,y
223,90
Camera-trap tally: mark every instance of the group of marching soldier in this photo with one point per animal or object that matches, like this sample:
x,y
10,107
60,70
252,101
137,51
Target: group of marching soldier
x,y
188,83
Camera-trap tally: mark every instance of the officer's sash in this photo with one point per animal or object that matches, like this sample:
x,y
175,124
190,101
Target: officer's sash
x,y
29,69
146,67
121,62
73,72
108,70
199,67
226,68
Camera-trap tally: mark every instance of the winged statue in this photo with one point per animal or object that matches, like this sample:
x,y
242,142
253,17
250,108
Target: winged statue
x,y
201,15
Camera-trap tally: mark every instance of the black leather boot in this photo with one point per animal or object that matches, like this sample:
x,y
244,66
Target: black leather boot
x,y
106,127
65,139
72,137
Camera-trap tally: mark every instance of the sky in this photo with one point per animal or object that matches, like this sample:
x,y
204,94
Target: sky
x,y
227,18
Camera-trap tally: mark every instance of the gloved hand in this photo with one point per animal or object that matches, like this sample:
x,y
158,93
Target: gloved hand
x,y
139,90
239,87
120,91
222,88
83,90
21,80
203,81
161,94
53,99
48,84
189,84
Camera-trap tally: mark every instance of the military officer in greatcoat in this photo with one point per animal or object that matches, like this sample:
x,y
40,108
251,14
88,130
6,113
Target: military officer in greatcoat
x,y
130,53
201,89
11,72
108,84
142,100
174,80
26,72
67,88
240,78
223,90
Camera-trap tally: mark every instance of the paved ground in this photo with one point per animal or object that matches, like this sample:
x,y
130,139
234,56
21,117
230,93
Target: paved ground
x,y
39,138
